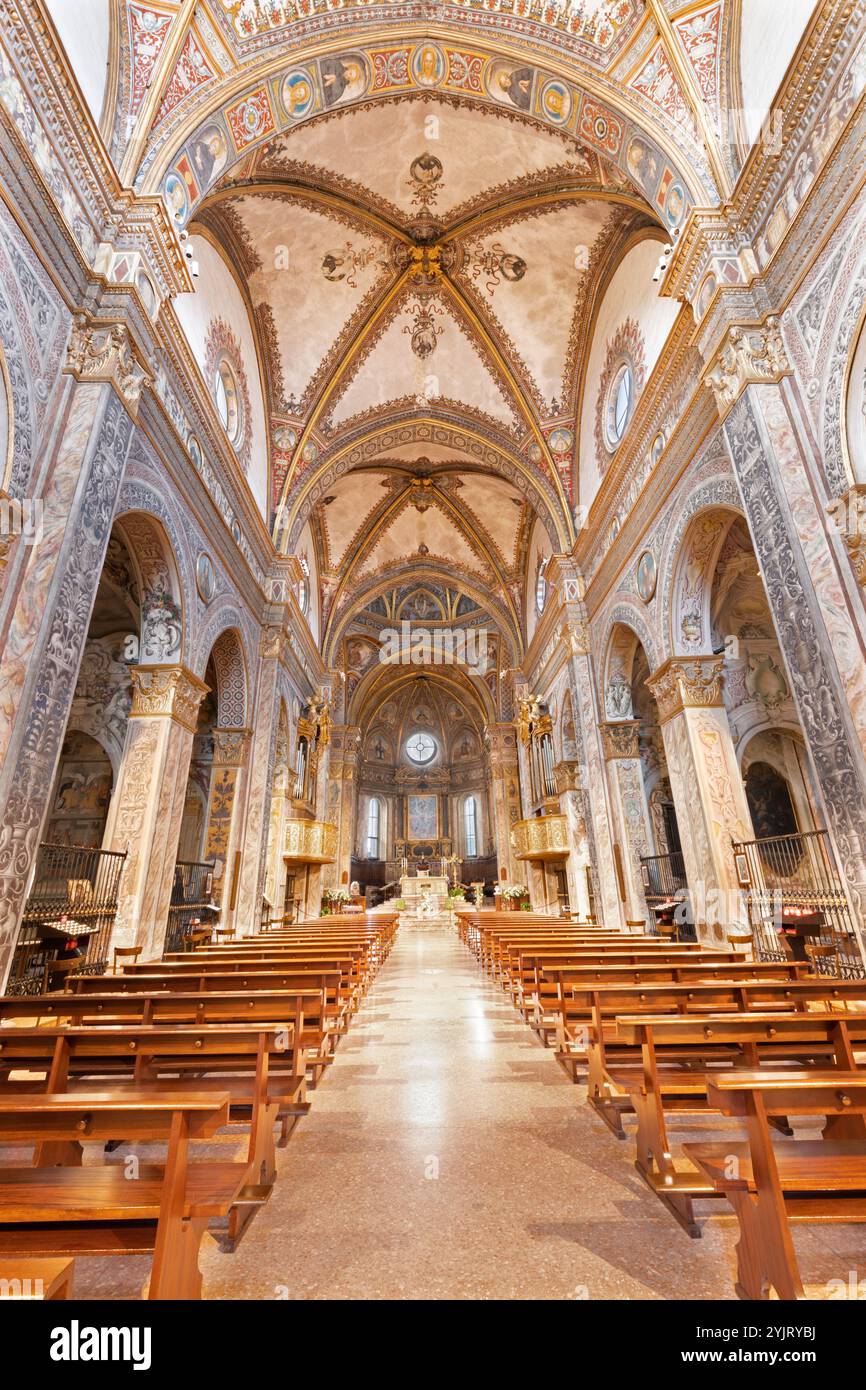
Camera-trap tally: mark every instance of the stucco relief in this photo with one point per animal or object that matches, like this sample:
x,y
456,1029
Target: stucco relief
x,y
804,642
53,665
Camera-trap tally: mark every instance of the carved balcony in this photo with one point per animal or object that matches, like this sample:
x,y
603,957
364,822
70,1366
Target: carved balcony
x,y
310,842
542,837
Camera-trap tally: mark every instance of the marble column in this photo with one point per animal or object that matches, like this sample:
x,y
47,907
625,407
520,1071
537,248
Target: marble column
x,y
708,792
254,827
572,804
610,907
816,634
230,755
342,799
501,740
621,752
45,632
148,801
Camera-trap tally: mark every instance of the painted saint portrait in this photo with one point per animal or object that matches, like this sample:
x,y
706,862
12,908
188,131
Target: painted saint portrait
x,y
208,154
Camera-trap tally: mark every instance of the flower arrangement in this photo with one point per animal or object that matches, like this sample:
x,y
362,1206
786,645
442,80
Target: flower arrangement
x,y
517,890
399,905
331,899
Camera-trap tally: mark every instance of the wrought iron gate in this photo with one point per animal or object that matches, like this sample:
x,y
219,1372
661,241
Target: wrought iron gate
x,y
794,890
68,917
191,903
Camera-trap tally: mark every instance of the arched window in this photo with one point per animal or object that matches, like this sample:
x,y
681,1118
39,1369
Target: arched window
x,y
304,585
374,813
541,587
619,404
470,823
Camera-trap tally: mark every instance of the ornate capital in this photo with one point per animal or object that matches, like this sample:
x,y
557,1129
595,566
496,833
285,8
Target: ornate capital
x,y
170,692
272,643
693,682
576,635
104,352
848,515
619,739
568,776
749,353
230,747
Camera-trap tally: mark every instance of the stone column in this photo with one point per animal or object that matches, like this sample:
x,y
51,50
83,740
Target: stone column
x,y
147,805
53,600
708,792
253,834
818,640
622,755
501,742
342,799
572,805
600,819
230,753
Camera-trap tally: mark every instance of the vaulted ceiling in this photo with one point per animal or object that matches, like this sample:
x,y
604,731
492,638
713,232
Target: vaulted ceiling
x,y
422,206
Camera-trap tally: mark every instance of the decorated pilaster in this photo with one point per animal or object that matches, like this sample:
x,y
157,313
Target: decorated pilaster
x,y
147,807
501,741
622,754
712,811
342,798
567,583
48,596
792,528
255,820
573,805
230,756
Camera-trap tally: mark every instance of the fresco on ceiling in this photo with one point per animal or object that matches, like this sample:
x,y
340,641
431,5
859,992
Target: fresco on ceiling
x,y
341,80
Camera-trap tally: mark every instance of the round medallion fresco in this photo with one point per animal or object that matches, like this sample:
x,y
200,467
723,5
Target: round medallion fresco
x,y
205,577
646,575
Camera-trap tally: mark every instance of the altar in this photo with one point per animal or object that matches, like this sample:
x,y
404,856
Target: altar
x,y
414,887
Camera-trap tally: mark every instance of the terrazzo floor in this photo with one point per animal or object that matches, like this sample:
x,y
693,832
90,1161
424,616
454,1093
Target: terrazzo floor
x,y
447,1155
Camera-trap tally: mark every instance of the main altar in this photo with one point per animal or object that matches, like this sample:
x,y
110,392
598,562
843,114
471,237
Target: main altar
x,y
426,898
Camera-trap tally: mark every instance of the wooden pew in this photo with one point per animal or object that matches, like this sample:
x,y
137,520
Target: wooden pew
x,y
536,998
770,1184
47,1280
570,1005
74,1211
257,1066
680,1057
322,1030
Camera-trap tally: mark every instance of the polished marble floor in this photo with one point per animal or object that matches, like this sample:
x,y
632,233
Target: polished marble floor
x,y
448,1156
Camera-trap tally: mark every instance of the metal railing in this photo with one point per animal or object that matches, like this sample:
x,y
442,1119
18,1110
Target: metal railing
x,y
191,905
68,917
665,886
796,898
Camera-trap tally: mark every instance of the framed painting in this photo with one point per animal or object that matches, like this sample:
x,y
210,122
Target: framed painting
x,y
423,816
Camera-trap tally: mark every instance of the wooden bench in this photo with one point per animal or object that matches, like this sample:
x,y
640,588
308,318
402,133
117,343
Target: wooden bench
x,y
74,1211
47,1280
680,1057
568,1006
770,1183
258,1067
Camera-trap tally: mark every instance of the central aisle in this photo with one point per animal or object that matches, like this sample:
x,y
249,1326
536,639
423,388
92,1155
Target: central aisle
x,y
448,1156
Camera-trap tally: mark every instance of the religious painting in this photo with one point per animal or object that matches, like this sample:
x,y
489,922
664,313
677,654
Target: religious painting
x,y
508,83
297,93
423,816
646,575
343,79
205,577
209,154
428,65
555,102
